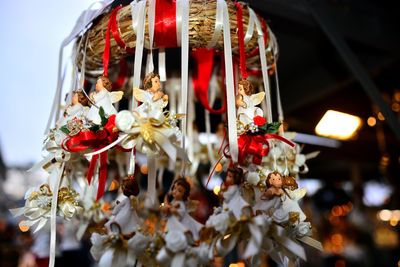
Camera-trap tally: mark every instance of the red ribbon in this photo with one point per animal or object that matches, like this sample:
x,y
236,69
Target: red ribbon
x,y
95,141
239,18
201,78
115,31
257,146
165,24
106,53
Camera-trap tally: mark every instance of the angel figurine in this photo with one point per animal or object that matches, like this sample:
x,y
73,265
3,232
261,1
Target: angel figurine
x,y
270,198
152,98
233,201
77,109
177,210
102,97
246,102
124,213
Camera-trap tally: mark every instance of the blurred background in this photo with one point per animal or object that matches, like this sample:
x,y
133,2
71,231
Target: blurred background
x,y
334,55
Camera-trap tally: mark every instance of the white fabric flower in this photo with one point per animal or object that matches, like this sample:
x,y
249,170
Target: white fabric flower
x,y
68,209
176,241
219,221
98,247
138,243
253,178
124,120
303,229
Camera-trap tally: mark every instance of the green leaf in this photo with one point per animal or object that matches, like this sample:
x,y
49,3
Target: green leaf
x,y
103,117
64,129
272,127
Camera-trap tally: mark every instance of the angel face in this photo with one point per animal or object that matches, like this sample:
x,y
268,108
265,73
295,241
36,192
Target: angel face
x,y
99,85
75,99
241,90
155,84
275,180
178,192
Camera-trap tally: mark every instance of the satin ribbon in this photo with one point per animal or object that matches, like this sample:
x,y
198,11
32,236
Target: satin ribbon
x,y
219,17
201,78
165,32
95,141
239,16
165,24
257,146
151,22
264,67
55,152
53,211
230,88
182,7
115,31
106,53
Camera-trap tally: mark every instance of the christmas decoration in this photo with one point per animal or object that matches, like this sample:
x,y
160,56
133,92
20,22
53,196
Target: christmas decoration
x,y
103,135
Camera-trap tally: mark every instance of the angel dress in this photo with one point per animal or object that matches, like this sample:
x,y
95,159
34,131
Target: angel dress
x,y
183,221
125,216
267,205
233,201
104,99
71,112
149,108
290,205
247,113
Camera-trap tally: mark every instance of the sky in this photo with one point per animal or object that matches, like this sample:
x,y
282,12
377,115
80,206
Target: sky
x,y
31,35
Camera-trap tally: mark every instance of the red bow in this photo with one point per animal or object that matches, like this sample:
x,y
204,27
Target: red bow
x,y
257,146
95,141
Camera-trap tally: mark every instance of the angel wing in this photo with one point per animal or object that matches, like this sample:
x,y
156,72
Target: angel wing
x,y
192,205
139,94
116,96
257,98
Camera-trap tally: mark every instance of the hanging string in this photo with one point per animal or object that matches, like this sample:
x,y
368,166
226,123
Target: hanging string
x,y
239,17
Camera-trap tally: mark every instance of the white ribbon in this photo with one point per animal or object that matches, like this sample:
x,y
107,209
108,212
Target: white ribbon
x,y
210,151
182,7
230,88
162,70
151,21
219,17
264,66
58,172
250,26
138,12
151,177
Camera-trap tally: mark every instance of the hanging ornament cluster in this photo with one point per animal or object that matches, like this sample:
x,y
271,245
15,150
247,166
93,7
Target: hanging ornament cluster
x,y
102,135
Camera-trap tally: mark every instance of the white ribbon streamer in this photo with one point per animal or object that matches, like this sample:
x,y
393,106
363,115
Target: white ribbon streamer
x,y
161,65
138,12
264,66
219,18
230,88
58,172
151,21
151,178
183,6
250,27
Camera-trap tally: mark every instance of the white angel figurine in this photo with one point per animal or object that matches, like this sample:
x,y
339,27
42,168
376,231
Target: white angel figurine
x,y
233,201
246,102
152,98
179,217
271,198
124,213
77,109
102,97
